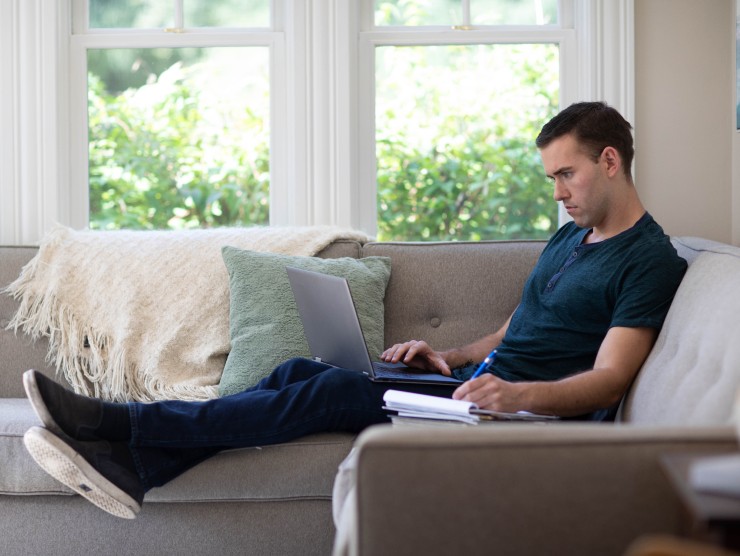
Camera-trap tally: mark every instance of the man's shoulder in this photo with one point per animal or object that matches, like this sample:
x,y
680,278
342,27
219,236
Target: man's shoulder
x,y
652,241
652,254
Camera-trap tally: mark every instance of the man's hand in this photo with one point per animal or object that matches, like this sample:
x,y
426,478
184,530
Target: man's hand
x,y
418,354
620,357
491,392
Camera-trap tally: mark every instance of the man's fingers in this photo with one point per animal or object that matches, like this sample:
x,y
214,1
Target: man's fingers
x,y
473,390
461,391
392,351
441,365
417,353
412,350
405,351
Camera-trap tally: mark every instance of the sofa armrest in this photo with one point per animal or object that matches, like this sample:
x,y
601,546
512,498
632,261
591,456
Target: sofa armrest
x,y
515,488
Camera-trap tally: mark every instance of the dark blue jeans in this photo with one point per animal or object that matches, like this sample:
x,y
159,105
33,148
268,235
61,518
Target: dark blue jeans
x,y
299,397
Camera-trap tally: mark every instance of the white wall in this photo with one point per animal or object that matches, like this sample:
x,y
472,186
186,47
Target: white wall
x,y
684,119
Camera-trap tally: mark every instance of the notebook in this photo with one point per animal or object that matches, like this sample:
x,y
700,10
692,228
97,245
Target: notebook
x,y
334,334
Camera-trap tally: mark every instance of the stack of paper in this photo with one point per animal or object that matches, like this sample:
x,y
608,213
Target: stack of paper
x,y
421,406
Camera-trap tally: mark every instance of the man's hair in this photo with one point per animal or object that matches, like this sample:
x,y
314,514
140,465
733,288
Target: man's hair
x,y
595,126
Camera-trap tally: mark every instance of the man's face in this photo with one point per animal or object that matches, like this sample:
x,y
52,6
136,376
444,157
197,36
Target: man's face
x,y
580,183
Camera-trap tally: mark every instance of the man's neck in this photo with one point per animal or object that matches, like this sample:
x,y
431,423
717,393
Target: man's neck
x,y
627,218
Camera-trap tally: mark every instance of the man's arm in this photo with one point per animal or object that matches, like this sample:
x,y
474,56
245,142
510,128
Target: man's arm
x,y
417,353
620,357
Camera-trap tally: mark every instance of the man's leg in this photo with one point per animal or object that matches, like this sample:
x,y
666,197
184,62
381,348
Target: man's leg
x,y
300,397
84,418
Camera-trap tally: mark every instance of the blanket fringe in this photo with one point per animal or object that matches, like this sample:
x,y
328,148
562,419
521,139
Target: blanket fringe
x,y
98,369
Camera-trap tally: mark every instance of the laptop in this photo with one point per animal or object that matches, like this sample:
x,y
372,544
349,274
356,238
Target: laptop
x,y
333,332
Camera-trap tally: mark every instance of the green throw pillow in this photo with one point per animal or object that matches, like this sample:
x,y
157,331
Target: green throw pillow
x,y
263,318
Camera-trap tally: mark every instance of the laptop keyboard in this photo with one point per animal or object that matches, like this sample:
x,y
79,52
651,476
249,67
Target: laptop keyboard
x,y
389,370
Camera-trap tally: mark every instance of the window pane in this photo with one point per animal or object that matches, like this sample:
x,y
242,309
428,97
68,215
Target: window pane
x,y
455,130
185,148
418,12
227,13
139,14
157,14
514,12
450,12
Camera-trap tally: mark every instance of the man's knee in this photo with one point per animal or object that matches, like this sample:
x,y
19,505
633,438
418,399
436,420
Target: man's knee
x,y
294,362
345,380
297,369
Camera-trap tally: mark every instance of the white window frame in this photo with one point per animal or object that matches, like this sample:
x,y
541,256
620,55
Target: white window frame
x,y
84,38
320,163
563,35
584,72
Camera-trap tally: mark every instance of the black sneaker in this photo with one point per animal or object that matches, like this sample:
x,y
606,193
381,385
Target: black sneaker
x,y
60,410
88,468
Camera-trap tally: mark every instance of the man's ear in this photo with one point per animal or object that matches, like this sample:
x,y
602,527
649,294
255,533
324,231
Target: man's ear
x,y
612,160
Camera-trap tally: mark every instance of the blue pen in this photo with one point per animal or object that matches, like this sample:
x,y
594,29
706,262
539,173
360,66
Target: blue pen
x,y
487,362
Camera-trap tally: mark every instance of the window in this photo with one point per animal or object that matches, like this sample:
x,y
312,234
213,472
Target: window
x,y
178,112
461,88
381,115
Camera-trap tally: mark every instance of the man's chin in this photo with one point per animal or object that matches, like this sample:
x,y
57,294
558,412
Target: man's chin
x,y
582,221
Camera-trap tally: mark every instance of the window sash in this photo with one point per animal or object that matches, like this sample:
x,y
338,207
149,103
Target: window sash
x,y
465,23
81,20
564,35
84,39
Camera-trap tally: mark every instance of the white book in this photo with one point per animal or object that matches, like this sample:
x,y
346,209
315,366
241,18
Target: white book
x,y
422,406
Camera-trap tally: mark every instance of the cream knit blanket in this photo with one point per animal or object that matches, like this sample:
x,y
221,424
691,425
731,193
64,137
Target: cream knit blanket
x,y
143,315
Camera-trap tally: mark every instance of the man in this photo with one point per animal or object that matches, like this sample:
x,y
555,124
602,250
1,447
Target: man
x,y
589,315
587,151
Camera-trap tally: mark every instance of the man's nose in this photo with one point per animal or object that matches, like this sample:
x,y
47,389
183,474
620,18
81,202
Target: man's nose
x,y
559,192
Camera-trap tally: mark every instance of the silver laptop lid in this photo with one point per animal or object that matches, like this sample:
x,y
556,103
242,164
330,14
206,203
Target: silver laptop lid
x,y
329,318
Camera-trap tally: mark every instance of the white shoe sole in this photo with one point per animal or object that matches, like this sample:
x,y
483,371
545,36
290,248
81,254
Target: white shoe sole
x,y
37,403
68,467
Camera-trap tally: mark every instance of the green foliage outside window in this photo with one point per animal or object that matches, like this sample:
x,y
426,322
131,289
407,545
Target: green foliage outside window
x,y
466,190
160,160
456,126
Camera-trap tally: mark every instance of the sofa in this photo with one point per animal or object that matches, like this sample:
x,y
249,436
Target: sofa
x,y
509,489
561,488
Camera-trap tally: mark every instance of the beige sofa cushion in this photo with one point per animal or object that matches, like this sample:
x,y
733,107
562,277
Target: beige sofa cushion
x,y
692,375
19,473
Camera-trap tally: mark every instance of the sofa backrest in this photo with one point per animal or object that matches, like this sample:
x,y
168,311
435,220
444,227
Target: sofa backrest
x,y
18,353
693,373
452,293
